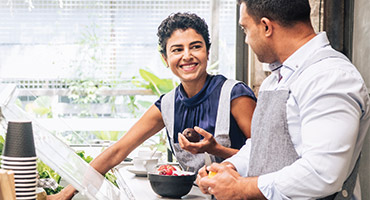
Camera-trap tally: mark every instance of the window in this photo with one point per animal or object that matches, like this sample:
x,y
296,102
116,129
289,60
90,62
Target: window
x,y
101,39
52,47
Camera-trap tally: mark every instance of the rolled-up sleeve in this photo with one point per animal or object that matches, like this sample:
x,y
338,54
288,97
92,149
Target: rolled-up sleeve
x,y
241,159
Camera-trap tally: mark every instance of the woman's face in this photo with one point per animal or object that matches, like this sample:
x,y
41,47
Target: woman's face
x,y
187,55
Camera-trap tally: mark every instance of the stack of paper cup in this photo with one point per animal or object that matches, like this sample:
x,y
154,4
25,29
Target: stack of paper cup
x,y
19,155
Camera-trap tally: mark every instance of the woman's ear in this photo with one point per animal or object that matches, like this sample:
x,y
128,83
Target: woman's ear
x,y
164,59
266,22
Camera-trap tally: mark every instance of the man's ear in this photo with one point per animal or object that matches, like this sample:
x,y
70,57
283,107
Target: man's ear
x,y
164,59
266,22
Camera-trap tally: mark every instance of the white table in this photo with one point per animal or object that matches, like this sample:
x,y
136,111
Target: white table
x,y
140,188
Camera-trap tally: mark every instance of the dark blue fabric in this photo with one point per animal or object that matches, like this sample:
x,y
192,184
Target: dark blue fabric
x,y
201,109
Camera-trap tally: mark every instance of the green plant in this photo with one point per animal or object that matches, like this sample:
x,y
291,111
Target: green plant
x,y
1,145
109,135
109,176
46,172
41,106
157,85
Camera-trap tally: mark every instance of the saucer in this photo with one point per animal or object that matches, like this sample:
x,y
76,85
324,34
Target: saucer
x,y
137,172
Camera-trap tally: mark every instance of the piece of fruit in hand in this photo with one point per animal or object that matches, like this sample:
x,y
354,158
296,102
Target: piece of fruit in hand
x,y
166,170
191,135
211,174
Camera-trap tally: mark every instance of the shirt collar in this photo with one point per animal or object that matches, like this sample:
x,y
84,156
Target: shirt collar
x,y
304,52
298,58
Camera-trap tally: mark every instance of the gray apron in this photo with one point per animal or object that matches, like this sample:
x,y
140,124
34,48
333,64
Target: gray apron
x,y
187,160
272,148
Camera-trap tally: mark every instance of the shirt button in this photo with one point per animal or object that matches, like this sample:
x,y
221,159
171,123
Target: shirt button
x,y
344,193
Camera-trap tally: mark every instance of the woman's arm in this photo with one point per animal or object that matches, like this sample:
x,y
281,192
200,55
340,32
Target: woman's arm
x,y
148,125
242,109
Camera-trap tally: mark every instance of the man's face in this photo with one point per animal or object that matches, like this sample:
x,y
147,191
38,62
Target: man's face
x,y
254,35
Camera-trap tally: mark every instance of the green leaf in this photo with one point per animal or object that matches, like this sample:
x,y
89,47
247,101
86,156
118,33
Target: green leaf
x,y
157,85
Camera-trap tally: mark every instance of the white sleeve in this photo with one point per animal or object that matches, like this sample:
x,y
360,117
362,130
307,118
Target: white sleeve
x,y
330,109
241,159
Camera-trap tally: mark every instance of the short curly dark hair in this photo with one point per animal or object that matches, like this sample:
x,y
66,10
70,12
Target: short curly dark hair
x,y
181,21
287,13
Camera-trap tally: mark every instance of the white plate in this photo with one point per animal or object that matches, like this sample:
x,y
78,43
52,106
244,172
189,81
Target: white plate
x,y
137,172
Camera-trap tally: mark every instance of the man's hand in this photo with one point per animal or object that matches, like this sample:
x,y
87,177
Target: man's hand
x,y
227,183
208,144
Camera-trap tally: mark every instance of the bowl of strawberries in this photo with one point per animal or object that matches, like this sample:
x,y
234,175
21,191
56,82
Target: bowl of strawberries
x,y
170,181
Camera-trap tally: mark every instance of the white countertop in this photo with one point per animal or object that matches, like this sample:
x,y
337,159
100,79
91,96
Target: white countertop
x,y
140,188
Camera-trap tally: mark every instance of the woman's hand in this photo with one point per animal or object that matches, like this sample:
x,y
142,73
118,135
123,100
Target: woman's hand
x,y
208,144
67,193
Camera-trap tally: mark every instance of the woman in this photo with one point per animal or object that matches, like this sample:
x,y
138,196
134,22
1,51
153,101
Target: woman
x,y
184,42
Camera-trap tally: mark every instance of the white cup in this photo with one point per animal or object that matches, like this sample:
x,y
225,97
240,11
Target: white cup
x,y
145,164
148,154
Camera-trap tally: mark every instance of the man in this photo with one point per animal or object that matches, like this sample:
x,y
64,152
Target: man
x,y
311,118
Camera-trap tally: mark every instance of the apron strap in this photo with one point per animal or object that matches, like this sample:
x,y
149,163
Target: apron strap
x,y
168,115
222,125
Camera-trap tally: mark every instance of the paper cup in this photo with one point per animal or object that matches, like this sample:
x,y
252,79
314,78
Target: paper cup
x,y
20,172
6,162
23,176
19,140
26,193
18,167
25,181
25,189
26,197
19,159
25,185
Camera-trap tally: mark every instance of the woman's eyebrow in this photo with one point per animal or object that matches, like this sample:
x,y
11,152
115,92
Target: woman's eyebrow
x,y
196,42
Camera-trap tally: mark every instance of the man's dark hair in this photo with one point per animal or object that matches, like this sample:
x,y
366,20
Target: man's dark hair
x,y
285,12
181,21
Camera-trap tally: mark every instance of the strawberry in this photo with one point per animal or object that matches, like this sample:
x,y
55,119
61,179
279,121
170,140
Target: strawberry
x,y
166,170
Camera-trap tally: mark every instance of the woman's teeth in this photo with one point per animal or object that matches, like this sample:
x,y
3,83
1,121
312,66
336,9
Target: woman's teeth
x,y
188,66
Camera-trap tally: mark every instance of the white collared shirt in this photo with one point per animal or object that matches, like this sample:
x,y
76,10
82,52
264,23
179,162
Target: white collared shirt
x,y
328,118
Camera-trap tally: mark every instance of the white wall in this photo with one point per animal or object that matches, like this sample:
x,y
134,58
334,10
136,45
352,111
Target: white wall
x,y
361,59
